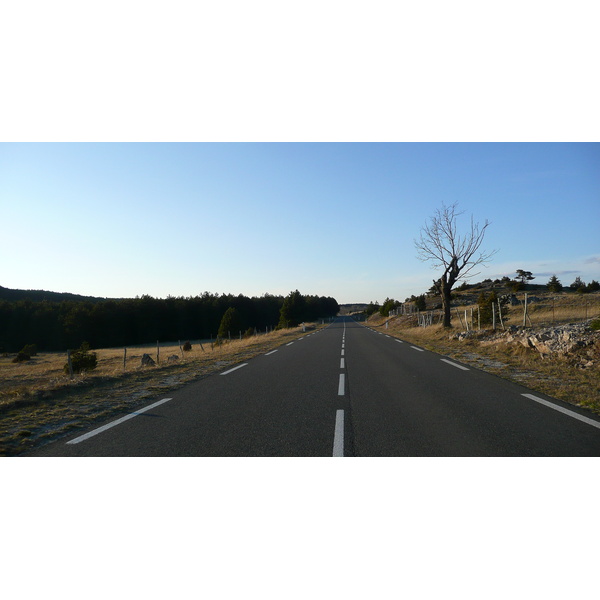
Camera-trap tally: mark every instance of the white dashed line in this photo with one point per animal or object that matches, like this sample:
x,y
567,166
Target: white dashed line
x,y
234,369
342,364
565,411
454,364
419,349
86,436
272,352
342,352
341,385
400,341
338,436
289,344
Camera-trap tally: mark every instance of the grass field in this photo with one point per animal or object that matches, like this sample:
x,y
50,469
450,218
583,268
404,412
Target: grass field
x,y
39,402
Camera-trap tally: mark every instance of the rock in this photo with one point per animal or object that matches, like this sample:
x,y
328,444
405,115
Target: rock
x,y
173,358
148,361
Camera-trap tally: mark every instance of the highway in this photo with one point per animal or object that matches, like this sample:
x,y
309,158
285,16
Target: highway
x,y
344,391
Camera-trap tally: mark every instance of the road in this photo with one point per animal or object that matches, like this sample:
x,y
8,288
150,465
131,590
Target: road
x,y
345,390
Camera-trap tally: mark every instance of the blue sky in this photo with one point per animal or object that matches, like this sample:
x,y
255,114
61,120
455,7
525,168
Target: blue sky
x,y
335,219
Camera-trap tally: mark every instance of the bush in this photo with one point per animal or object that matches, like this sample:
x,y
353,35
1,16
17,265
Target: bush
x,y
249,333
21,357
595,324
82,359
187,347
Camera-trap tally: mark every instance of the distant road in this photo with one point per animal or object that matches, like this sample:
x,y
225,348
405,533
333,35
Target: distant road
x,y
345,391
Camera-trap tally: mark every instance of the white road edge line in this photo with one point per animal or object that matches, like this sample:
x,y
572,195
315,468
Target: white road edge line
x,y
272,352
338,436
454,364
341,385
234,369
419,349
565,411
94,432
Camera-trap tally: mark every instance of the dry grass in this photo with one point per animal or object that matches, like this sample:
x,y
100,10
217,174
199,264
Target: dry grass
x,y
38,402
555,376
547,310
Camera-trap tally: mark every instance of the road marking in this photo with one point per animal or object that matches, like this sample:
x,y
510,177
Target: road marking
x,y
386,335
86,436
234,369
342,354
272,352
341,385
343,345
289,344
565,411
400,341
342,366
338,436
419,349
454,364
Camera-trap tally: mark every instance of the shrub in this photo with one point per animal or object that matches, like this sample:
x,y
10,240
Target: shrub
x,y
595,324
21,357
82,359
187,347
249,333
30,349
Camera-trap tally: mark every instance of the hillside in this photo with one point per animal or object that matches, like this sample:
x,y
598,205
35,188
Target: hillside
x,y
11,295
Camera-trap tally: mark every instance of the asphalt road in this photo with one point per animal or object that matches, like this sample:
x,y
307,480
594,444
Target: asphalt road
x,y
345,391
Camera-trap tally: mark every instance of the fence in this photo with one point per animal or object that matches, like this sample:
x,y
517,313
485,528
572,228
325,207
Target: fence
x,y
524,310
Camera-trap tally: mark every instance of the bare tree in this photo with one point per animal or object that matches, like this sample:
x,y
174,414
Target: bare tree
x,y
457,255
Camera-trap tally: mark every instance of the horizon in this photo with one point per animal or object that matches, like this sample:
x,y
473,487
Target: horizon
x,y
329,219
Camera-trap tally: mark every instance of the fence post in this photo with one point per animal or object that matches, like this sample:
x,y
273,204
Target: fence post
x,y
525,312
124,359
478,318
493,316
157,352
500,314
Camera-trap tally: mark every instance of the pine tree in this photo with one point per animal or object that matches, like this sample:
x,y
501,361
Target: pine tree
x,y
230,323
554,284
292,312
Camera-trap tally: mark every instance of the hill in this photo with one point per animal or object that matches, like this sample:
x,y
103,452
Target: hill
x,y
11,295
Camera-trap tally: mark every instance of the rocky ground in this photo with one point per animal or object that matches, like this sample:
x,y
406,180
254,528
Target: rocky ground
x,y
578,343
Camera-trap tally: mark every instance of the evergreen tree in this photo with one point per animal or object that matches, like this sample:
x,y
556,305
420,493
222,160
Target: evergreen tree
x,y
230,323
554,284
292,312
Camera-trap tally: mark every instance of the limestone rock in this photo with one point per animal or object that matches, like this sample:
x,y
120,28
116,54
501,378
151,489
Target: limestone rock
x,y
148,361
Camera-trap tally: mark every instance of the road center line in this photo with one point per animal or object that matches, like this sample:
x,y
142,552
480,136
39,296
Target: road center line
x,y
90,434
419,349
338,436
565,411
234,369
342,354
454,364
341,385
342,364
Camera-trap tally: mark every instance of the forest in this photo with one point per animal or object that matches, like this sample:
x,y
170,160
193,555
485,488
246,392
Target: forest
x,y
105,323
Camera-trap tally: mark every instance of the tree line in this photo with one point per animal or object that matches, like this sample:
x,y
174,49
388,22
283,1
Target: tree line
x,y
55,326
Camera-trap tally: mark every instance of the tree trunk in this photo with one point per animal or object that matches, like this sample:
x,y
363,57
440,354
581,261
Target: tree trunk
x,y
446,304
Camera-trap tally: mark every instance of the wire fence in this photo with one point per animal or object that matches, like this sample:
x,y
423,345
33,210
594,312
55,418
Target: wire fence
x,y
524,310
